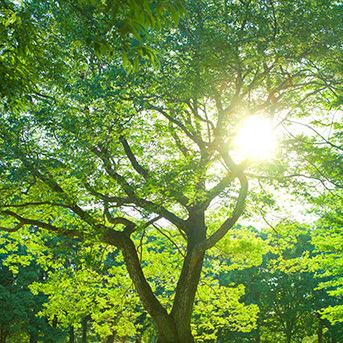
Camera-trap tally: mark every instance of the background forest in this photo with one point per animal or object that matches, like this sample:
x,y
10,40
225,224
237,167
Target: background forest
x,y
290,300
132,206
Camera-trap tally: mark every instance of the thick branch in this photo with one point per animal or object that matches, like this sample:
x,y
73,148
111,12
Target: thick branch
x,y
183,200
133,198
179,144
137,167
38,203
49,180
128,224
128,189
148,298
224,183
122,241
145,204
14,229
196,114
237,170
26,221
230,222
120,201
160,210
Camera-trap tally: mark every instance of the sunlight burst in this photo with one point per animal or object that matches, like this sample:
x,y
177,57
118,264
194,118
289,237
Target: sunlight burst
x,y
256,138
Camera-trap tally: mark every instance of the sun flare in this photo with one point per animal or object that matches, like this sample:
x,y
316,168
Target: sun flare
x,y
256,138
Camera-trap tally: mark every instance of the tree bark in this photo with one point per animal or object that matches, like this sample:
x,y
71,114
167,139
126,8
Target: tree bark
x,y
190,276
164,322
33,338
320,332
185,295
3,335
71,334
110,339
172,327
84,329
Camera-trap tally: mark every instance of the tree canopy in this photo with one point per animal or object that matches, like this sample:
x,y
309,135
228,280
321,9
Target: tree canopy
x,y
145,161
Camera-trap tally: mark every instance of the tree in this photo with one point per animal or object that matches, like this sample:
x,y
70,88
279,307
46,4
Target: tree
x,y
287,295
291,299
104,156
18,306
327,235
327,265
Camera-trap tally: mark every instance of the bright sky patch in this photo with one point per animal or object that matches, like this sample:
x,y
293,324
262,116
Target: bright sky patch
x,y
256,139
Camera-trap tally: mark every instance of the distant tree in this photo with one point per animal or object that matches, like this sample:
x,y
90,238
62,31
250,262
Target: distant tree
x,y
327,264
288,297
18,306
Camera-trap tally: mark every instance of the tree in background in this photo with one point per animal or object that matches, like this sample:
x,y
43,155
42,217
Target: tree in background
x,y
105,156
287,295
18,306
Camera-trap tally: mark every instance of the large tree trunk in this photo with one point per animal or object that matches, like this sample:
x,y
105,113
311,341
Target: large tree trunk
x,y
164,322
185,295
189,277
174,327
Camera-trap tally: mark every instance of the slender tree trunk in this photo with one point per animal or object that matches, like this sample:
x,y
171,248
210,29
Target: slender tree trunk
x,y
84,329
71,334
33,338
110,339
320,332
3,335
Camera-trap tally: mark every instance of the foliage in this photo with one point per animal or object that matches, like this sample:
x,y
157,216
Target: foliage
x,y
30,45
328,266
288,297
18,306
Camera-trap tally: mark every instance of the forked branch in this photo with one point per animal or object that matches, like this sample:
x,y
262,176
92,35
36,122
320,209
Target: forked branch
x,y
230,222
33,222
136,166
